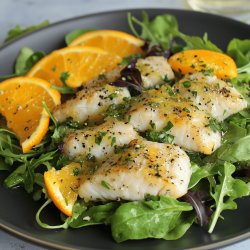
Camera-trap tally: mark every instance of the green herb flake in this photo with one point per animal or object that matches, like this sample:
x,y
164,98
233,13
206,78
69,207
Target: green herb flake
x,y
187,84
208,72
75,171
152,124
216,125
113,95
194,93
90,157
113,141
168,126
106,184
99,137
186,110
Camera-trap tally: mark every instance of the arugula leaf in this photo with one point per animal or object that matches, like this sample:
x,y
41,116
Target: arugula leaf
x,y
163,30
226,192
236,146
196,42
18,31
74,34
239,50
155,218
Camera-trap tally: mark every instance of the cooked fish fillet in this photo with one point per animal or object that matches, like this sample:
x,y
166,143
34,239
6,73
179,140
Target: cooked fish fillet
x,y
98,142
155,109
90,103
142,168
211,94
154,70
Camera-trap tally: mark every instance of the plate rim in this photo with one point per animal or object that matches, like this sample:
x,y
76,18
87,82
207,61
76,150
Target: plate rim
x,y
21,234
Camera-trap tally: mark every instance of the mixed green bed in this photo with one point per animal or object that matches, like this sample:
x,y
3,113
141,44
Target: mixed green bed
x,y
216,182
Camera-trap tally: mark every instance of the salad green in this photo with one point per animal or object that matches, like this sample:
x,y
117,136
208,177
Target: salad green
x,y
155,217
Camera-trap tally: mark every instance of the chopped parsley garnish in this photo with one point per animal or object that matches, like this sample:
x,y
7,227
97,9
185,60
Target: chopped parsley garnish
x,y
170,92
119,110
194,93
167,80
216,125
106,184
75,171
187,84
113,141
90,157
64,76
208,72
99,138
186,110
168,126
112,96
152,124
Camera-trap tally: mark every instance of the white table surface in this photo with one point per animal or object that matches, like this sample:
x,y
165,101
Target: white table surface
x,y
28,12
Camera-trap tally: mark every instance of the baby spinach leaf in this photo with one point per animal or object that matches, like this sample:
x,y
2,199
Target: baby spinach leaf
x,y
182,225
155,218
92,215
225,192
74,34
18,31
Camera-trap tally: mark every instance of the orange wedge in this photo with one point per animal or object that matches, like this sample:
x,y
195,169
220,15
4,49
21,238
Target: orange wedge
x,y
118,42
21,104
81,63
191,61
62,186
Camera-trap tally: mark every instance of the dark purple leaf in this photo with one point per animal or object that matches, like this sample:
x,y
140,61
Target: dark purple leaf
x,y
197,200
156,50
130,77
60,146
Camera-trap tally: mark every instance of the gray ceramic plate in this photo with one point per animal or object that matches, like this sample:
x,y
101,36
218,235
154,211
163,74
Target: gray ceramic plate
x,y
17,209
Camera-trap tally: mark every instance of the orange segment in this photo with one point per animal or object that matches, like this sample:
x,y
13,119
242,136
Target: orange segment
x,y
62,186
191,61
118,42
82,64
21,104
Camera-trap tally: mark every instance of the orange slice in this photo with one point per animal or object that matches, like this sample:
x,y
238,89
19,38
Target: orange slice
x,y
118,42
191,61
81,63
62,186
21,104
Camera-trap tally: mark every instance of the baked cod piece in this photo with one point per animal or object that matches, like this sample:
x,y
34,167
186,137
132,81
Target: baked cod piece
x,y
142,168
90,103
155,109
211,94
154,71
98,142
